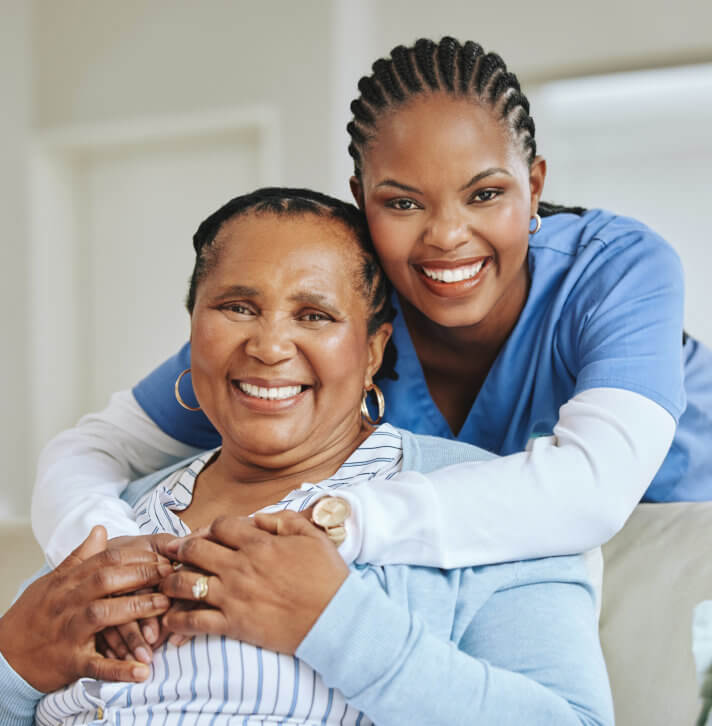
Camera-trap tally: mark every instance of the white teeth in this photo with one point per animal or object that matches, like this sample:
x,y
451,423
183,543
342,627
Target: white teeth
x,y
453,275
272,394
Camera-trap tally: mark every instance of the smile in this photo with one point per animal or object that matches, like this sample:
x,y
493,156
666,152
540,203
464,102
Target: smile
x,y
276,393
456,274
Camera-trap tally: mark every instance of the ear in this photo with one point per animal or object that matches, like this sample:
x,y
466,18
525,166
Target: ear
x,y
357,191
537,176
376,347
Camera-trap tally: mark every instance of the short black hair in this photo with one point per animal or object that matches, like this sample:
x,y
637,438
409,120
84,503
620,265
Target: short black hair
x,y
293,202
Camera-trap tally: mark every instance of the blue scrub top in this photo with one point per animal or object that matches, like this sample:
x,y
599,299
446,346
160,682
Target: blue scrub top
x,y
604,309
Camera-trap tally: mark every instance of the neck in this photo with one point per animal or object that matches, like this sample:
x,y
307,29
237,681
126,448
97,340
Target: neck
x,y
234,483
484,338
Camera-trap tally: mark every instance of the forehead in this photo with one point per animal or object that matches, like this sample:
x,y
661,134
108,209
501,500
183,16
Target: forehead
x,y
304,251
436,131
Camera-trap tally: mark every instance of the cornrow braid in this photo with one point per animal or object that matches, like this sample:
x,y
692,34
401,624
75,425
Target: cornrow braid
x,y
447,66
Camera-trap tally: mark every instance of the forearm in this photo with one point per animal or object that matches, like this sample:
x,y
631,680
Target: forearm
x,y
387,664
83,470
18,699
568,493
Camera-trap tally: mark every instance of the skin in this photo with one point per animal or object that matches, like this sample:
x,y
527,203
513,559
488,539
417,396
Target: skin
x,y
466,196
48,635
280,308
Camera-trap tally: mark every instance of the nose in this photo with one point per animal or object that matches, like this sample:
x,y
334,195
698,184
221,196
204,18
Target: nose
x,y
447,229
270,341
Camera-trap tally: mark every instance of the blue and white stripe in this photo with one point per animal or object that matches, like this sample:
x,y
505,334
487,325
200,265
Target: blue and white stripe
x,y
213,680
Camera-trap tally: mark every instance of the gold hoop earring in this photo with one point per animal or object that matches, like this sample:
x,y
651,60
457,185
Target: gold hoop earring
x,y
537,226
179,398
381,404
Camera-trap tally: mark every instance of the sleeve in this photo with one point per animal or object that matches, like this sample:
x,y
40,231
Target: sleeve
x,y
530,655
18,699
622,324
82,472
565,494
155,395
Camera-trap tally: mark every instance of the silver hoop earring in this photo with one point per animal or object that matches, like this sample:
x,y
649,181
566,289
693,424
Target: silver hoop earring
x,y
537,226
179,398
381,401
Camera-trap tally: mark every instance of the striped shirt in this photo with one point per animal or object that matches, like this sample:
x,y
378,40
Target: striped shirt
x,y
214,680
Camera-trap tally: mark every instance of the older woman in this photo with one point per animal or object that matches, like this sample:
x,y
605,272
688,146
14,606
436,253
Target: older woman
x,y
289,324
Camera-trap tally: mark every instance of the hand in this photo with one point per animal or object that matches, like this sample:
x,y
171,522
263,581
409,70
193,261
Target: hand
x,y
48,635
139,637
271,577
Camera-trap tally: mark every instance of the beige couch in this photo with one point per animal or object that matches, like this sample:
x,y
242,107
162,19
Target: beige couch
x,y
657,568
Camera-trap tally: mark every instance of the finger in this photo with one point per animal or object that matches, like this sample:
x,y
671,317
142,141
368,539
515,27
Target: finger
x,y
116,647
168,547
150,629
205,555
237,532
92,545
196,621
182,585
107,669
101,614
287,523
100,581
133,638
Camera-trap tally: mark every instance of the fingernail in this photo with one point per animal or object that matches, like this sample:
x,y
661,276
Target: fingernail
x,y
110,654
149,632
171,546
161,602
165,568
140,672
176,639
143,655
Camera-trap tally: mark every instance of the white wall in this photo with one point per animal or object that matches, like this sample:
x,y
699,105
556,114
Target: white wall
x,y
16,85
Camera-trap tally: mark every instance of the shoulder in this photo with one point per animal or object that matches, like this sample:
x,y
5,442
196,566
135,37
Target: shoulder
x,y
425,453
600,256
597,232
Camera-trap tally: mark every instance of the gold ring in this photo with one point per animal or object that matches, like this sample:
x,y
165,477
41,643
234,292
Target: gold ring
x,y
200,588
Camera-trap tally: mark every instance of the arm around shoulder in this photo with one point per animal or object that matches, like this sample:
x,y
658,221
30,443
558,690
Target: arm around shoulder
x,y
83,470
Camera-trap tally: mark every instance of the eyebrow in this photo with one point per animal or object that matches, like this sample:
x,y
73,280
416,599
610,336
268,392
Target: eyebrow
x,y
238,291
316,299
483,175
306,298
477,177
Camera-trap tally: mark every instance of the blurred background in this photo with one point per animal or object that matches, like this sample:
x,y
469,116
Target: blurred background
x,y
124,124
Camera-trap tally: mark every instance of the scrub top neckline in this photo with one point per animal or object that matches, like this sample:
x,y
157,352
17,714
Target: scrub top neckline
x,y
410,369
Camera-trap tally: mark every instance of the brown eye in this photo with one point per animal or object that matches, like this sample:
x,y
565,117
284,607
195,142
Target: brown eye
x,y
238,309
313,316
485,195
402,204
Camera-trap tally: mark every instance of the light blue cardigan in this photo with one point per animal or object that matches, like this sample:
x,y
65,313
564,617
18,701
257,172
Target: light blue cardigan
x,y
502,644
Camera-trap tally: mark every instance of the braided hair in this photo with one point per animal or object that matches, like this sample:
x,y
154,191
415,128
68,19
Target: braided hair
x,y
290,202
448,67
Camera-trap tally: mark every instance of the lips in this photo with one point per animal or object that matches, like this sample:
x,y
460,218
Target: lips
x,y
453,279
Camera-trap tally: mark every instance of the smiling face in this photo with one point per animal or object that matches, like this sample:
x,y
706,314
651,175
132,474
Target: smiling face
x,y
449,196
280,348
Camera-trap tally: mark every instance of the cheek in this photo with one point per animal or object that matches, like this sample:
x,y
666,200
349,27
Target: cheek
x,y
212,342
339,360
393,240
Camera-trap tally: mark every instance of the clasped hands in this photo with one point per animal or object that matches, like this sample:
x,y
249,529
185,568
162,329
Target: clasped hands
x,y
269,578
